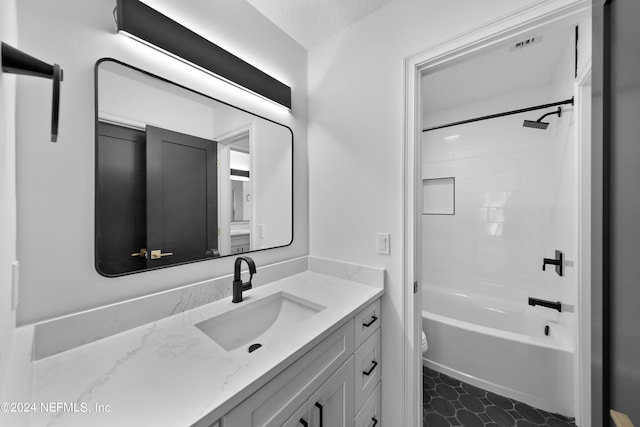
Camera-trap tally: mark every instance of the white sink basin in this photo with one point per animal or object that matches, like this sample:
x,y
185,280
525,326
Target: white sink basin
x,y
256,321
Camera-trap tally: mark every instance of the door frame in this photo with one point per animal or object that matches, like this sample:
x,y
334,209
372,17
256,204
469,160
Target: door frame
x,y
224,141
538,15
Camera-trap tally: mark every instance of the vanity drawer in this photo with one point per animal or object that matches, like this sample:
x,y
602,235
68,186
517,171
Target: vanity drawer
x,y
367,322
369,415
367,371
274,403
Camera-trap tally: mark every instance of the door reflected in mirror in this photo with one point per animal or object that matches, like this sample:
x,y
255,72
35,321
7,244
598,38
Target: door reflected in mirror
x,y
182,177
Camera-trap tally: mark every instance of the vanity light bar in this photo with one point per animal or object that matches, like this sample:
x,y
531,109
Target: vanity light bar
x,y
145,24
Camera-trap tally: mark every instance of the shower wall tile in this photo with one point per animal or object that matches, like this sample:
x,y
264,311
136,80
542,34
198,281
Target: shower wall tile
x,y
514,187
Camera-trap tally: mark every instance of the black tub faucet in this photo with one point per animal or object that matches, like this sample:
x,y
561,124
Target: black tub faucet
x,y
238,286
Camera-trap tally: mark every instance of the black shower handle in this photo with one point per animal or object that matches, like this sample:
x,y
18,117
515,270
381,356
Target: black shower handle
x,y
375,421
304,423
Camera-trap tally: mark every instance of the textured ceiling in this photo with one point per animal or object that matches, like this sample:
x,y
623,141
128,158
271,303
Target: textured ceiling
x,y
312,21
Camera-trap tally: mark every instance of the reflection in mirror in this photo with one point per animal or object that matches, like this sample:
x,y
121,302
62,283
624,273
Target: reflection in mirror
x,y
181,177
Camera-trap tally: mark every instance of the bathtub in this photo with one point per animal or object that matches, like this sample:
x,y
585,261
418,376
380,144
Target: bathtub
x,y
500,345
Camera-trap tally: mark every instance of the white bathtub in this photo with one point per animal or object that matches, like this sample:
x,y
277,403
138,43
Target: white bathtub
x,y
500,346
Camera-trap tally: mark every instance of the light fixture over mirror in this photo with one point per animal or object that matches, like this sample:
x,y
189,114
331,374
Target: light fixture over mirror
x,y
168,166
145,24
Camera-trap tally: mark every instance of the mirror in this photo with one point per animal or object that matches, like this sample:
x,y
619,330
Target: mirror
x,y
182,177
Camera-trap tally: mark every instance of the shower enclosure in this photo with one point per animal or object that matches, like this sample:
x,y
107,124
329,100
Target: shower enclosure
x,y
499,198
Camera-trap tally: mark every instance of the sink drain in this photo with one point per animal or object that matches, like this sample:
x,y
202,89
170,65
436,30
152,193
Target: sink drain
x,y
254,347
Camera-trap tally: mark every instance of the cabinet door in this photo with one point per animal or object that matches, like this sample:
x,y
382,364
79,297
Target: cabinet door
x,y
273,404
300,418
367,322
367,372
332,405
369,415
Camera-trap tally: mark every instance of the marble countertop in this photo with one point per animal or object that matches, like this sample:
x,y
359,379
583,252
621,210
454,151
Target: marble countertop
x,y
169,373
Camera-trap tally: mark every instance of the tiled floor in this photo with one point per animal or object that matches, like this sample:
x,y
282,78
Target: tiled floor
x,y
449,402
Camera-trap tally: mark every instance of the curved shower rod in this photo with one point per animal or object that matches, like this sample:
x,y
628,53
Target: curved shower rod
x,y
15,61
507,113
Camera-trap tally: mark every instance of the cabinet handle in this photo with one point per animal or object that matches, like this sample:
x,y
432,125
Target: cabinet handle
x,y
319,406
373,319
304,423
367,373
375,422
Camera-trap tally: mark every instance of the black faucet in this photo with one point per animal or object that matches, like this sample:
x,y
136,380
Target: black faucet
x,y
238,286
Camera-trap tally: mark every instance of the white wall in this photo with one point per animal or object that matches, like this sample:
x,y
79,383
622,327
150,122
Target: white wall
x,y
8,34
129,97
271,152
355,145
56,181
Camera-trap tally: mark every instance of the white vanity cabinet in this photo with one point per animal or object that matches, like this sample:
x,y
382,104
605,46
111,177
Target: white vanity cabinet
x,y
330,405
367,373
335,384
274,403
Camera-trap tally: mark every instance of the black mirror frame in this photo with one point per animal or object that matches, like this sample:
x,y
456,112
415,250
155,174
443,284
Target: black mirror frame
x,y
97,214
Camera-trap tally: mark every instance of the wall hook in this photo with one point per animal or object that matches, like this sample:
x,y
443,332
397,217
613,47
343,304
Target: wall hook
x,y
15,61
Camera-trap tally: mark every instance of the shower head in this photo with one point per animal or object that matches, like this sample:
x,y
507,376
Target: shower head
x,y
539,124
536,125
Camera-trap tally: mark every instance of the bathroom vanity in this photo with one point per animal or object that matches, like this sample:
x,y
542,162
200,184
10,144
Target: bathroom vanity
x,y
317,363
325,387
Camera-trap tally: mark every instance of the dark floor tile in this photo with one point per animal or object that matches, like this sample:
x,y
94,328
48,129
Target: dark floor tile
x,y
555,422
473,390
500,416
435,420
472,403
516,416
500,401
430,372
529,413
443,407
454,421
446,391
428,383
448,402
469,419
448,380
426,399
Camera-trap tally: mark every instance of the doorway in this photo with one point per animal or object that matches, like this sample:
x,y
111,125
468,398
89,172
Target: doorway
x,y
446,56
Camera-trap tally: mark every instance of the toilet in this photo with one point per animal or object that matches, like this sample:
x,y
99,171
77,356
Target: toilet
x,y
425,344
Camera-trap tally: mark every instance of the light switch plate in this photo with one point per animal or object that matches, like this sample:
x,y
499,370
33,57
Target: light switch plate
x,y
383,244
